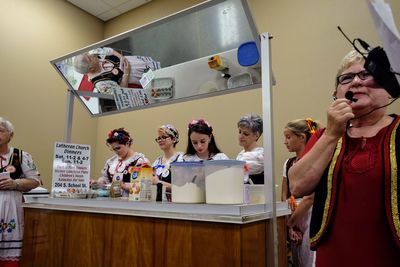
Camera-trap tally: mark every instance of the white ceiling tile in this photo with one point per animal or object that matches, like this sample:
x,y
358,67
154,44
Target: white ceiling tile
x,y
109,14
115,3
107,9
94,7
129,5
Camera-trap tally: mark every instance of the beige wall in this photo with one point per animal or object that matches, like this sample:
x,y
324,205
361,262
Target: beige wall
x,y
305,51
33,96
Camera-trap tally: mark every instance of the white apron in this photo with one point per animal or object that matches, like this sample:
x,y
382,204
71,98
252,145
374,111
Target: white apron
x,y
11,225
302,255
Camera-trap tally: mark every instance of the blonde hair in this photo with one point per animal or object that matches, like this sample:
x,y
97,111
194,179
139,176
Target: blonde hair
x,y
351,58
170,130
305,127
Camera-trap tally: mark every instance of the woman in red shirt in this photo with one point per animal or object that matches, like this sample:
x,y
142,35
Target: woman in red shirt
x,y
352,168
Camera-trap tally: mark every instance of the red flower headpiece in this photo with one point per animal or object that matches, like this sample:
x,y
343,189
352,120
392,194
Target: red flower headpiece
x,y
119,134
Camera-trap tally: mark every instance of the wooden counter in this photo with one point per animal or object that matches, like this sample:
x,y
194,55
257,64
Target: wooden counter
x,y
56,237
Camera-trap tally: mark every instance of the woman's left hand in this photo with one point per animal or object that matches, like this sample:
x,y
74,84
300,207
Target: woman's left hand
x,y
7,184
126,186
154,179
295,235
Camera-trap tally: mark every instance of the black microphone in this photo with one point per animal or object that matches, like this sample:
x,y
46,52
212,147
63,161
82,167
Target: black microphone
x,y
377,63
349,95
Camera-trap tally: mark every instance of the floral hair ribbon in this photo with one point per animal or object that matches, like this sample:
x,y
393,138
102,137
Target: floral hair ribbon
x,y
311,125
171,130
199,122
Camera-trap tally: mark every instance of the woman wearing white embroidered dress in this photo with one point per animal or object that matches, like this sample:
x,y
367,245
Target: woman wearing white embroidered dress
x,y
108,69
201,143
19,174
120,164
105,67
167,139
250,130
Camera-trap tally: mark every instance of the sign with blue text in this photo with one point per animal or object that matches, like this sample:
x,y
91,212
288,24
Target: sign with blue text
x,y
71,167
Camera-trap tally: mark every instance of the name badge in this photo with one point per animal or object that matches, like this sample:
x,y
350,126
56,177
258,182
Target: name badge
x,y
118,177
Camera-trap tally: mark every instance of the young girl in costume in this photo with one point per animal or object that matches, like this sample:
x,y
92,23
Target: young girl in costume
x,y
201,143
296,135
167,139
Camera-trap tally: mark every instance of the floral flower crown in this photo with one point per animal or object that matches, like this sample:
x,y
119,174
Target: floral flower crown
x,y
311,125
171,130
120,135
199,122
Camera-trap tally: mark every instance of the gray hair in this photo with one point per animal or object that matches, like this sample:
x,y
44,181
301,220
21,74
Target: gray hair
x,y
7,124
252,122
82,64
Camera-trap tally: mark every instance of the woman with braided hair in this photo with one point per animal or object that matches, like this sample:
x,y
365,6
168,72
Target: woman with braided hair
x,y
296,135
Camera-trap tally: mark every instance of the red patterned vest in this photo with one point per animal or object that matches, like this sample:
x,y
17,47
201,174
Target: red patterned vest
x,y
326,191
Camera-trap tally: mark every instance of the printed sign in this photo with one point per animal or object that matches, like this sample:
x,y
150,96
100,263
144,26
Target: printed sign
x,y
129,98
71,167
146,79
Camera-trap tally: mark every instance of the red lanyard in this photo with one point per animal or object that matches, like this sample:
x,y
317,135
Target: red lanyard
x,y
118,165
1,161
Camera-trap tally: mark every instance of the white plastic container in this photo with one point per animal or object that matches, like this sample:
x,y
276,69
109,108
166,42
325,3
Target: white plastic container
x,y
188,185
224,181
255,194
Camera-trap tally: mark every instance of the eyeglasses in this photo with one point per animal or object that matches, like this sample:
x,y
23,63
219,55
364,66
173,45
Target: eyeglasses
x,y
349,77
164,137
3,130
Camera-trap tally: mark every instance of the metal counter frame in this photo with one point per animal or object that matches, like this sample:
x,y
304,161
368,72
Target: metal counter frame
x,y
236,214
